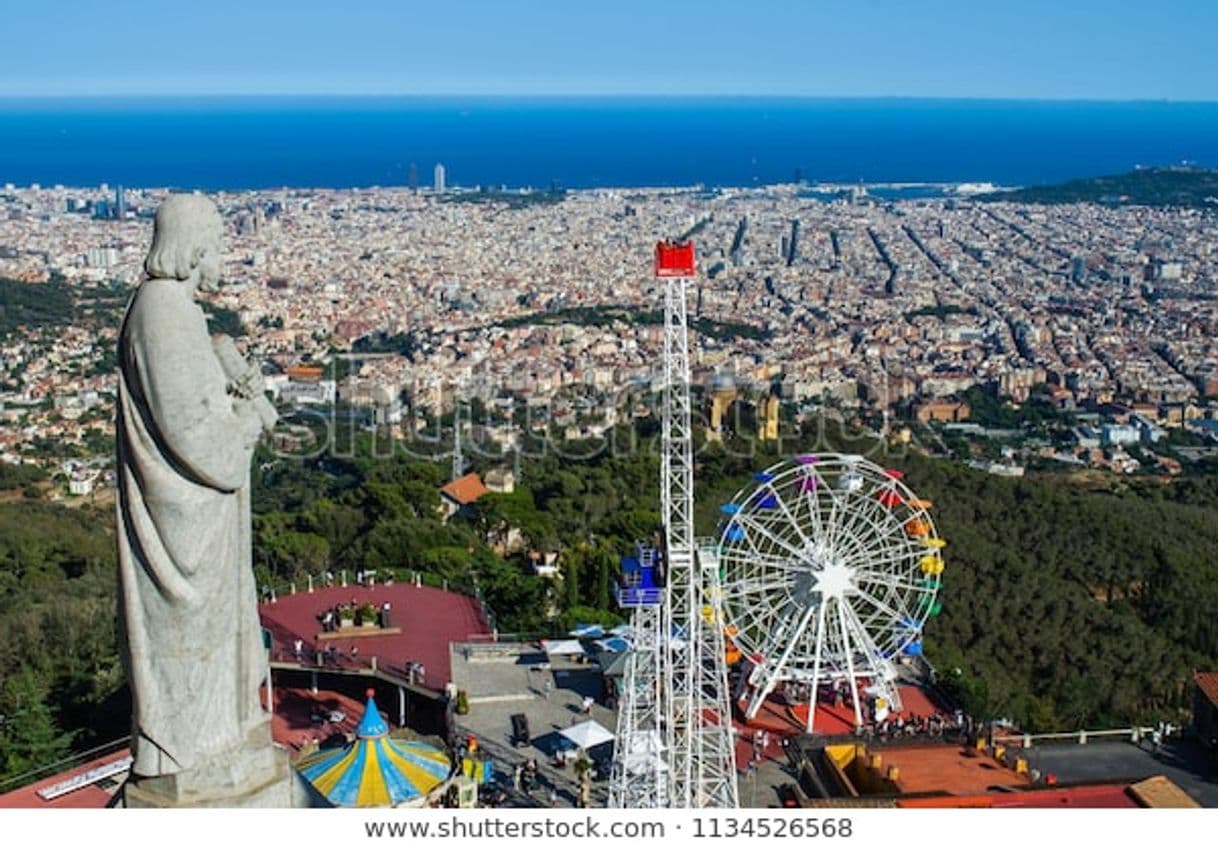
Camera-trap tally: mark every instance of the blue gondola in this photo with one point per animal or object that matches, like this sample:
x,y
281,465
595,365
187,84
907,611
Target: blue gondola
x,y
913,649
734,533
763,477
730,509
640,585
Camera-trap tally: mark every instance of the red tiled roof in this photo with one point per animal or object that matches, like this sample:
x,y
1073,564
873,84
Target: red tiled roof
x,y
465,490
1207,682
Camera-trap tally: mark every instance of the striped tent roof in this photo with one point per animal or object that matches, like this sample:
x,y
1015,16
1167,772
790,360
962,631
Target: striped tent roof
x,y
375,770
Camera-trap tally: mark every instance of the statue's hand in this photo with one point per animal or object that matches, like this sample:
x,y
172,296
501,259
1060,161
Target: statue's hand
x,y
252,422
245,378
249,385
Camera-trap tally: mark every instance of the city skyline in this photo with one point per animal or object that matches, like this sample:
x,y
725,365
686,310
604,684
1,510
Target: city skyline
x,y
940,49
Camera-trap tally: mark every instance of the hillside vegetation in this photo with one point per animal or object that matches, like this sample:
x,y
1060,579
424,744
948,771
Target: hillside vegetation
x,y
1062,608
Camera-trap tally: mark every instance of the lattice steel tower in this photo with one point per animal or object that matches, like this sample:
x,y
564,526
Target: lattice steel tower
x,y
675,745
698,738
640,777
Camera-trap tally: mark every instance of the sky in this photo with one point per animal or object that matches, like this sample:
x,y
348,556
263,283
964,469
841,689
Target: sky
x,y
1055,49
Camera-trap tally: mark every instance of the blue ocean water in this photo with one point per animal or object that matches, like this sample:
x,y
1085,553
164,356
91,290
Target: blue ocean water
x,y
258,142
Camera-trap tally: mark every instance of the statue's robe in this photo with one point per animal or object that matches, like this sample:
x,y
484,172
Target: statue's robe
x,y
188,620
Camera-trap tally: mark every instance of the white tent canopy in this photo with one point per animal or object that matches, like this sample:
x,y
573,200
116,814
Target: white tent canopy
x,y
587,734
564,647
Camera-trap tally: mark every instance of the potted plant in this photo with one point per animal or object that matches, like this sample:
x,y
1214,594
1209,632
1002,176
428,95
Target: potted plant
x,y
366,615
346,616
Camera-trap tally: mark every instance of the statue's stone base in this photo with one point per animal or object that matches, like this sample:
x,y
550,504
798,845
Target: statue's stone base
x,y
255,777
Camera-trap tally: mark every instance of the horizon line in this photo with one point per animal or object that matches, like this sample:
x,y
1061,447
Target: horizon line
x,y
137,95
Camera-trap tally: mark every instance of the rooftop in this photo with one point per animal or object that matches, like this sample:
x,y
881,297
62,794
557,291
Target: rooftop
x,y
111,771
465,490
425,620
1207,683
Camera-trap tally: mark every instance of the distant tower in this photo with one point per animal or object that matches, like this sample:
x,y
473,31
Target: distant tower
x,y
458,460
120,203
439,184
412,177
1078,269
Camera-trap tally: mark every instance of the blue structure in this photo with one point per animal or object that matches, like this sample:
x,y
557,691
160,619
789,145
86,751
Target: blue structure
x,y
641,584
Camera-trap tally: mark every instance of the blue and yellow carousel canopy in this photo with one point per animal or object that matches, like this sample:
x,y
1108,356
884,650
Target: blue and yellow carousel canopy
x,y
374,770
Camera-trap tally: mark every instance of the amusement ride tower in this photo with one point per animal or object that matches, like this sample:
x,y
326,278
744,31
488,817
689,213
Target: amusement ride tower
x,y
675,730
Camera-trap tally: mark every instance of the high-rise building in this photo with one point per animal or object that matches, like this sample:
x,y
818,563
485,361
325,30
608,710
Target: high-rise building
x,y
412,177
439,184
1078,269
120,203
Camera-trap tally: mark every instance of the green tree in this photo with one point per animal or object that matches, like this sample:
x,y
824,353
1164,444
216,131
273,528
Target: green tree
x,y
29,736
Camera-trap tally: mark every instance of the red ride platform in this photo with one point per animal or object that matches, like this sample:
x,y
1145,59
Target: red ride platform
x,y
675,259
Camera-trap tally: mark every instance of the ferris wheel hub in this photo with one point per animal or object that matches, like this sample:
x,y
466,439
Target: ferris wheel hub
x,y
835,580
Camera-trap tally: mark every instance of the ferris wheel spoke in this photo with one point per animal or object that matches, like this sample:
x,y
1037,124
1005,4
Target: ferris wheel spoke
x,y
888,580
746,587
811,484
748,522
867,519
870,650
894,555
782,641
893,613
812,503
786,511
757,558
865,527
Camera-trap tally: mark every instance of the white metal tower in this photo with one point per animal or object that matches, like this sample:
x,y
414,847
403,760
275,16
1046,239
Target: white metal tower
x,y
640,777
699,738
675,742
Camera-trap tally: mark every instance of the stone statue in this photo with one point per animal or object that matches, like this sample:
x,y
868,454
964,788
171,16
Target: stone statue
x,y
190,412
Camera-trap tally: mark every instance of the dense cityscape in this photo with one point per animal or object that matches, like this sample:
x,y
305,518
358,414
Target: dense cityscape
x,y
887,310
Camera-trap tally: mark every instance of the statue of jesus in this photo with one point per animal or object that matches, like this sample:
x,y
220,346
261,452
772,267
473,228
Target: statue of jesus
x,y
188,611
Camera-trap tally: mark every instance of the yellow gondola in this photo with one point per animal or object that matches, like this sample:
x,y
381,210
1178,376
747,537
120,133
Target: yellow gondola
x,y
934,542
931,564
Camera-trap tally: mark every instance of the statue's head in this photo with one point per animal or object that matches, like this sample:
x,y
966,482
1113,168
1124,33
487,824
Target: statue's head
x,y
186,242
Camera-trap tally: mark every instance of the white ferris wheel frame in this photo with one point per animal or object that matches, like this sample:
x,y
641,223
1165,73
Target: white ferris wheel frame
x,y
823,580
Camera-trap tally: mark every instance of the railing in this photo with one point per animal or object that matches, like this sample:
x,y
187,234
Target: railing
x,y
343,578
1133,735
13,782
346,663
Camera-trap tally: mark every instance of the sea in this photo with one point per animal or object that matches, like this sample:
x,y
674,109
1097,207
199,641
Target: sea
x,y
216,143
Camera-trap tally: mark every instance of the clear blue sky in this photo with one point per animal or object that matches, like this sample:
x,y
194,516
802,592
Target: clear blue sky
x,y
1106,49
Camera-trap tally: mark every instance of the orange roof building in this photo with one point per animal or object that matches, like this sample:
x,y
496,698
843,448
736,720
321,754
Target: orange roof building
x,y
465,490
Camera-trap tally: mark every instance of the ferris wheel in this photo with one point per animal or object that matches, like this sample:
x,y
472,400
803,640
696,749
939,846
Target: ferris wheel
x,y
831,567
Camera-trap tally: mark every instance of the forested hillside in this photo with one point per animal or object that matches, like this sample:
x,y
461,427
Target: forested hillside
x,y
1062,607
